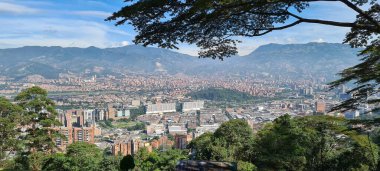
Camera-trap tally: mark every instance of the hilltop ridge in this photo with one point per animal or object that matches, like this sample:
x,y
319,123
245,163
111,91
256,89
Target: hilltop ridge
x,y
296,59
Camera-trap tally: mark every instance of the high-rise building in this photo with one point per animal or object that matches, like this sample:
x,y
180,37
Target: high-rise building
x,y
99,114
320,107
174,129
161,108
136,103
128,147
111,113
181,141
80,120
307,91
121,148
190,106
61,118
77,132
68,123
89,114
84,134
123,113
63,143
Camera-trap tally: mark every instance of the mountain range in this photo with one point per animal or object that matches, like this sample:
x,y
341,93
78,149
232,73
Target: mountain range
x,y
288,59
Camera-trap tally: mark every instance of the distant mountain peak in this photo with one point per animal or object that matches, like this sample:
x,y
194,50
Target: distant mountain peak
x,y
313,57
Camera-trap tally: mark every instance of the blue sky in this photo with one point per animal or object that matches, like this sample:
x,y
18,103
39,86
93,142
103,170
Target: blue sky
x,y
80,23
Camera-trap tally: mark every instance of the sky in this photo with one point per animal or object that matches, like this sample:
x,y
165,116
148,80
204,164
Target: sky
x,y
80,23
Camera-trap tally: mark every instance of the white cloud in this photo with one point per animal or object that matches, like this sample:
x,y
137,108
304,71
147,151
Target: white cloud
x,y
100,14
97,3
16,9
57,32
117,44
320,40
124,43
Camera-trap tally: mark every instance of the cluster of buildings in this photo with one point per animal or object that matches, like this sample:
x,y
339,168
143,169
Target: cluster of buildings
x,y
130,147
163,119
161,108
174,107
112,89
172,119
87,116
75,128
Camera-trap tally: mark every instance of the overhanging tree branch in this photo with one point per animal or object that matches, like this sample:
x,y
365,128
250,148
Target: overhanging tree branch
x,y
334,23
361,12
268,30
331,23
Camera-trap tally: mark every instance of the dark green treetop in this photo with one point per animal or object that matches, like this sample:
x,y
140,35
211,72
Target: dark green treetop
x,y
38,116
9,119
127,163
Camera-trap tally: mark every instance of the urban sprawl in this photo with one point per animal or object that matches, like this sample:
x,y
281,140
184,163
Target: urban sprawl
x,y
125,113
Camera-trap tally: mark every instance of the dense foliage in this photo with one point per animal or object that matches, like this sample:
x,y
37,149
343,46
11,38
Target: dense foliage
x,y
159,160
135,112
232,142
221,94
123,123
25,128
9,117
308,143
39,115
137,126
127,163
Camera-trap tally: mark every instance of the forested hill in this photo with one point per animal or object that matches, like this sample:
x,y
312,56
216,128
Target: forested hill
x,y
289,60
220,94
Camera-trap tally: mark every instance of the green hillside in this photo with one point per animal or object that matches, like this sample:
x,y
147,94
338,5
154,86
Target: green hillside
x,y
221,94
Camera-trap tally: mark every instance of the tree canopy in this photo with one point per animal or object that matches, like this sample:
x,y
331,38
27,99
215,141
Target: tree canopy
x,y
38,115
158,160
25,128
308,143
127,163
215,27
9,118
232,141
221,94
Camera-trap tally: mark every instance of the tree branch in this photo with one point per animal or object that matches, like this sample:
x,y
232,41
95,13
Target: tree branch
x,y
283,27
325,22
331,23
335,23
268,30
361,12
305,20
